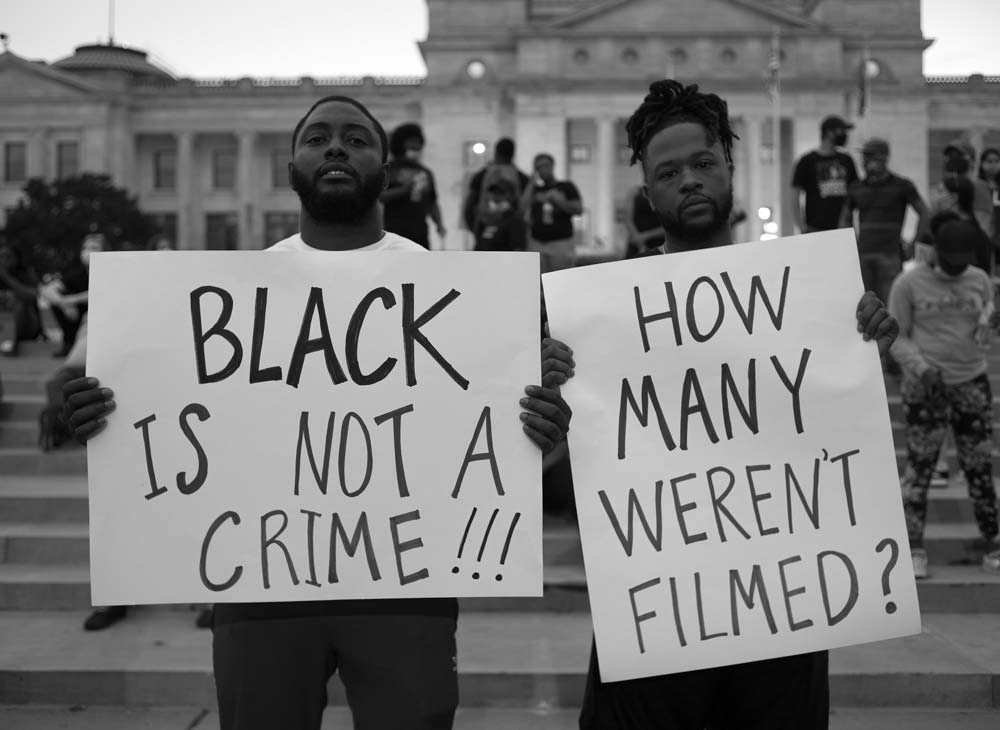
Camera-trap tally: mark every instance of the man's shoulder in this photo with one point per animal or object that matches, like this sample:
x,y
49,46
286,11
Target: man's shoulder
x,y
292,243
394,242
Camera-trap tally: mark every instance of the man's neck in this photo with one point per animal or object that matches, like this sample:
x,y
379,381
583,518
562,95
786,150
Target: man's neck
x,y
722,237
827,148
341,236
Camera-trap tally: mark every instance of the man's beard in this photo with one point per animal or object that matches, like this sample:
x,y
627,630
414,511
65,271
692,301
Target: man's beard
x,y
338,206
698,236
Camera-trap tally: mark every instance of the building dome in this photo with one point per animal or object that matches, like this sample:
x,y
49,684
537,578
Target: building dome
x,y
103,58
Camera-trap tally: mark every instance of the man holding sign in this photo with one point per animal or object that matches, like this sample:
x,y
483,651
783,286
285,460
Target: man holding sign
x,y
396,656
660,515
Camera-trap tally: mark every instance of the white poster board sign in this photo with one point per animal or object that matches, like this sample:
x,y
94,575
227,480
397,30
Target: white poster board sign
x,y
732,457
306,426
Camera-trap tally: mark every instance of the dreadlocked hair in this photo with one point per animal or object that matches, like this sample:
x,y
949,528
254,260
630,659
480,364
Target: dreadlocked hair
x,y
670,102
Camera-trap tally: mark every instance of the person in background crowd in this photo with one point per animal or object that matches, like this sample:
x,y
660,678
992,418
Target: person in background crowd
x,y
18,295
67,293
943,312
161,242
644,229
683,139
959,156
881,200
411,195
823,176
501,227
500,167
989,173
549,206
396,657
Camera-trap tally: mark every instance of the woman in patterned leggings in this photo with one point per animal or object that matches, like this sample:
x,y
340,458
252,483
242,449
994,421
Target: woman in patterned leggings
x,y
943,311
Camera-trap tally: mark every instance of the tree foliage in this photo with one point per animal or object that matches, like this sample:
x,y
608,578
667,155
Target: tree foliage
x,y
49,223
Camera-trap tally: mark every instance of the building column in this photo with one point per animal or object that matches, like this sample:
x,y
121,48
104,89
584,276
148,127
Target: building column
x,y
755,184
604,206
185,191
245,190
37,164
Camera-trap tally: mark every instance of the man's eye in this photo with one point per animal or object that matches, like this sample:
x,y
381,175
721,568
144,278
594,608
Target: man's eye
x,y
667,174
704,164
357,141
314,138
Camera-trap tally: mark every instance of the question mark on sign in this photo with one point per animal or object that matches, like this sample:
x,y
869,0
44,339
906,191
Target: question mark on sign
x,y
890,607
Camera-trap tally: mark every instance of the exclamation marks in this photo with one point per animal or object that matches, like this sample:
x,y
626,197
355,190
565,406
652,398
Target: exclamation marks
x,y
486,537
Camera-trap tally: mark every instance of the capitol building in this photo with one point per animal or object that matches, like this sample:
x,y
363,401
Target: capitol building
x,y
207,157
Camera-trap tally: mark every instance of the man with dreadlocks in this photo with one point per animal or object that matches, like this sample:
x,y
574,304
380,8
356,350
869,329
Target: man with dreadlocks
x,y
683,139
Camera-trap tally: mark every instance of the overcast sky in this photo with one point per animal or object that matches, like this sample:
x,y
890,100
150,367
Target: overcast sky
x,y
232,38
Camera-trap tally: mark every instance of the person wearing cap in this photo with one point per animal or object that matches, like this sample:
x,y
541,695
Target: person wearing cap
x,y
959,156
881,200
943,311
823,175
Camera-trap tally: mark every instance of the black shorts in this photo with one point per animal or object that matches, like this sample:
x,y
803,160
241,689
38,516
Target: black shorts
x,y
790,693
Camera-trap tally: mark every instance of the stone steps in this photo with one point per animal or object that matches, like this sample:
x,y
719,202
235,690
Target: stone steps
x,y
42,717
515,660
62,587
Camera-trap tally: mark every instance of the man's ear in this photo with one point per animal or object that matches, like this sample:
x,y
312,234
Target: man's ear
x,y
385,176
645,194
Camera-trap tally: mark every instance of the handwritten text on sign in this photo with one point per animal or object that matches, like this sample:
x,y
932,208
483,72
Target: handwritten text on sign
x,y
732,457
313,426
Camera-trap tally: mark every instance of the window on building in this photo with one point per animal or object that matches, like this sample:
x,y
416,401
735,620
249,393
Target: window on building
x,y
15,162
164,170
221,232
166,225
224,169
67,159
579,153
279,168
280,225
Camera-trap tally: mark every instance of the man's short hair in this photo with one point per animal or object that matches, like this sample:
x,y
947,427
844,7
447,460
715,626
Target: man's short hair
x,y
397,140
353,102
543,156
504,149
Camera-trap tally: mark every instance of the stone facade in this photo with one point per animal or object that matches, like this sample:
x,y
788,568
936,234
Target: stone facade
x,y
559,76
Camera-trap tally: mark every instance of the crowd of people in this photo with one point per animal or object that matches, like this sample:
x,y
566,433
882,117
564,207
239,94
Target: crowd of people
x,y
396,658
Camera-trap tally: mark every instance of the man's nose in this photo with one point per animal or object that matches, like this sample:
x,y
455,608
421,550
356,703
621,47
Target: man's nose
x,y
335,149
690,181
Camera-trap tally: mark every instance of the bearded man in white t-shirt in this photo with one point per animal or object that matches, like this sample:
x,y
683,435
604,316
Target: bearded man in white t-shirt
x,y
396,657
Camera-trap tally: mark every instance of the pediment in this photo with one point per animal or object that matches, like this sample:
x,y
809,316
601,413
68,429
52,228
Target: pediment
x,y
23,79
679,16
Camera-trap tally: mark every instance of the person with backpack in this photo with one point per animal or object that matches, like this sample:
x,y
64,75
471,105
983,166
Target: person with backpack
x,y
549,206
475,209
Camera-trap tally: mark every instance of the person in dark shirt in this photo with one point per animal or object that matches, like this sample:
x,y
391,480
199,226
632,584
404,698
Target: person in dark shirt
x,y
67,293
411,196
881,200
823,176
501,227
501,166
644,230
19,295
683,140
550,205
396,657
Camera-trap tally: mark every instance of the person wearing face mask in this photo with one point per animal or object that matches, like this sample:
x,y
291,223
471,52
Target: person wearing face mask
x,y
943,310
823,175
959,156
411,197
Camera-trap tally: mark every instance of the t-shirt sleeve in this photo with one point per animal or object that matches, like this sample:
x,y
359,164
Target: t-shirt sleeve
x,y
852,170
910,191
570,191
432,194
801,173
904,349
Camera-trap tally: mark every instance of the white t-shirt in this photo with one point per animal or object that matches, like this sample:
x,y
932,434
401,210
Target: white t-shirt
x,y
388,242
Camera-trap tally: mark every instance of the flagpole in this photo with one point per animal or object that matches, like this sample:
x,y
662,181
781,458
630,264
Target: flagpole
x,y
775,69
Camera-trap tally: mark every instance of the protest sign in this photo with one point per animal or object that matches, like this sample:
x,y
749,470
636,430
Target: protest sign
x,y
732,457
306,426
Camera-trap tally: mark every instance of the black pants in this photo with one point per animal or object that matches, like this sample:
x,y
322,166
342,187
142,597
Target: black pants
x,y
790,693
399,671
68,324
